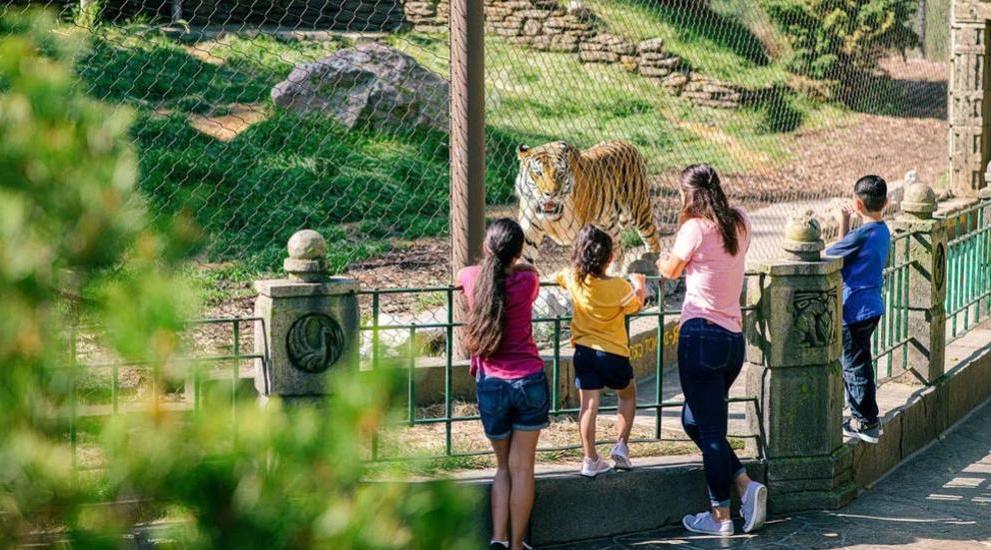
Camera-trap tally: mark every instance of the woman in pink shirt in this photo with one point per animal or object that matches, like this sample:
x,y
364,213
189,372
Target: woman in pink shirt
x,y
512,390
710,249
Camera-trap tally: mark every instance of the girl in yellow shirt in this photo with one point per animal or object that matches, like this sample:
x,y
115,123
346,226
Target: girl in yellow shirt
x,y
598,334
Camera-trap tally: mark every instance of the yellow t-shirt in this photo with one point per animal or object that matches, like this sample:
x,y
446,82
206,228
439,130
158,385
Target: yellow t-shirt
x,y
600,309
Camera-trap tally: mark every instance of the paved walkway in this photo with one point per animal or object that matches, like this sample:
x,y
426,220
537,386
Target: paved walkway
x,y
941,499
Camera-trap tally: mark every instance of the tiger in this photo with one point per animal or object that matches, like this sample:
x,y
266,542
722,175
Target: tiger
x,y
561,189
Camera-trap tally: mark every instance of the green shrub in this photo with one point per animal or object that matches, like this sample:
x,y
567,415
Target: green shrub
x,y
833,39
75,245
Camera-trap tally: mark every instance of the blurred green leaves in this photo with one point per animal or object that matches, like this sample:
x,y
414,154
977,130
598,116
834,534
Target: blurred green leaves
x,y
834,39
77,254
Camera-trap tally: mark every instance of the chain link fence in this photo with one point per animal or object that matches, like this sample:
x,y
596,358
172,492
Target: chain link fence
x,y
257,119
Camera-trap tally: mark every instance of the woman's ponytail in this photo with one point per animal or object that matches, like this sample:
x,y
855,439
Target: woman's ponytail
x,y
486,321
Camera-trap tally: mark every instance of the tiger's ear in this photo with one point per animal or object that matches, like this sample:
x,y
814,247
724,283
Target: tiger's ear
x,y
564,145
521,150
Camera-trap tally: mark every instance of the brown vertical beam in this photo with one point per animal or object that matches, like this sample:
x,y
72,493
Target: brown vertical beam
x,y
467,132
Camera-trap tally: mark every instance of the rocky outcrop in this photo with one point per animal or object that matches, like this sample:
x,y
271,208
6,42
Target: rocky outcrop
x,y
370,84
549,25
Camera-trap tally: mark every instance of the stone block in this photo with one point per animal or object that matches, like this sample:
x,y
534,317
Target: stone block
x,y
802,408
597,57
784,486
532,27
968,385
926,345
832,466
675,81
799,315
653,45
923,419
309,330
870,462
656,72
425,9
534,14
811,500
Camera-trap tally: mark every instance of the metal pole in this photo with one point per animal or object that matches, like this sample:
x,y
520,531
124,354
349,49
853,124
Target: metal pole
x,y
467,132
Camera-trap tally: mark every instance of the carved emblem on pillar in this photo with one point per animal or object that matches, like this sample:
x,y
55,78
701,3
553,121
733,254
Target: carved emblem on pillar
x,y
314,342
813,317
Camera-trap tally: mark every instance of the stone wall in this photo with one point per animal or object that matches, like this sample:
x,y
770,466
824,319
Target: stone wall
x,y
547,25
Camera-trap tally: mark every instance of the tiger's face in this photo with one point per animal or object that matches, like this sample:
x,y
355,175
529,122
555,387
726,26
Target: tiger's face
x,y
545,180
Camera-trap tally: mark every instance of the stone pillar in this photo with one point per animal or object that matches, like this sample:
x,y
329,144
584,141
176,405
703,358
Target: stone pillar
x,y
968,108
926,280
309,323
794,344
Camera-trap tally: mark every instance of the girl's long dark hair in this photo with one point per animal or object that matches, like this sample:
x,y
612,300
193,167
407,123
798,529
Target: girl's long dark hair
x,y
487,319
591,254
704,198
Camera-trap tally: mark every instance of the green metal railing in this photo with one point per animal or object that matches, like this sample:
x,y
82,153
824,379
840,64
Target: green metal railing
x,y
556,326
223,365
890,345
968,268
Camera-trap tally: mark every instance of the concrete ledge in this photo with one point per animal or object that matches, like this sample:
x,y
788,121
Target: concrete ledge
x,y
658,492
930,410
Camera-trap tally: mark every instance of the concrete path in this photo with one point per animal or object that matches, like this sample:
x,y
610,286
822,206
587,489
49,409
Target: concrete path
x,y
941,499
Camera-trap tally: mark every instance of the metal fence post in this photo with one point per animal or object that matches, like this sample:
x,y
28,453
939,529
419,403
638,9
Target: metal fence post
x,y
467,132
927,281
796,375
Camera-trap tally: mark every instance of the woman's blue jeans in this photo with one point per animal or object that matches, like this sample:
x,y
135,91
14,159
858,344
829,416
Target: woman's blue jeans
x,y
709,360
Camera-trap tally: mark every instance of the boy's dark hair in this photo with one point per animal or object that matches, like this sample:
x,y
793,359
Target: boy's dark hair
x,y
591,254
872,191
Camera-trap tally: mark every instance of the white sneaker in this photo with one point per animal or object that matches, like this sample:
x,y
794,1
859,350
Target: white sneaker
x,y
705,524
754,509
592,468
621,456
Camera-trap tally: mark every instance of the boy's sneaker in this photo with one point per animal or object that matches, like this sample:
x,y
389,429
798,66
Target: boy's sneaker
x,y
865,431
705,524
592,468
621,456
498,545
754,509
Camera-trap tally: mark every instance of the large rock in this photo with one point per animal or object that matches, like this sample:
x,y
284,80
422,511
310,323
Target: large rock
x,y
369,84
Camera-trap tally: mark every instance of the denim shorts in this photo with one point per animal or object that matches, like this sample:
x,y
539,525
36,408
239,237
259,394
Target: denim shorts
x,y
596,369
513,404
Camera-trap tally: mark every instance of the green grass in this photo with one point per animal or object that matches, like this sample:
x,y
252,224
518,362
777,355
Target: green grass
x,y
369,191
550,96
718,42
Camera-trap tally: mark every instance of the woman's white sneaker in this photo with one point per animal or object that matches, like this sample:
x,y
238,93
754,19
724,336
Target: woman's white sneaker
x,y
705,524
621,456
592,468
754,509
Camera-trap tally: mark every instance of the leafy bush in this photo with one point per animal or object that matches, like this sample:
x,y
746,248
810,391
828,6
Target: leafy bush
x,y
833,39
75,245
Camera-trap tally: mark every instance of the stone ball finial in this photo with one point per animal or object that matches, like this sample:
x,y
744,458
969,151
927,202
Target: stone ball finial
x,y
803,237
307,259
919,200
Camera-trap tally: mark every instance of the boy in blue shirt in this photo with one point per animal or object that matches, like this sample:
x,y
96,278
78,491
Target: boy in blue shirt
x,y
865,254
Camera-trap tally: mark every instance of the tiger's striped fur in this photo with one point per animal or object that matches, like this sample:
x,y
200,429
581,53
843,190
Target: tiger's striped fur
x,y
561,189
